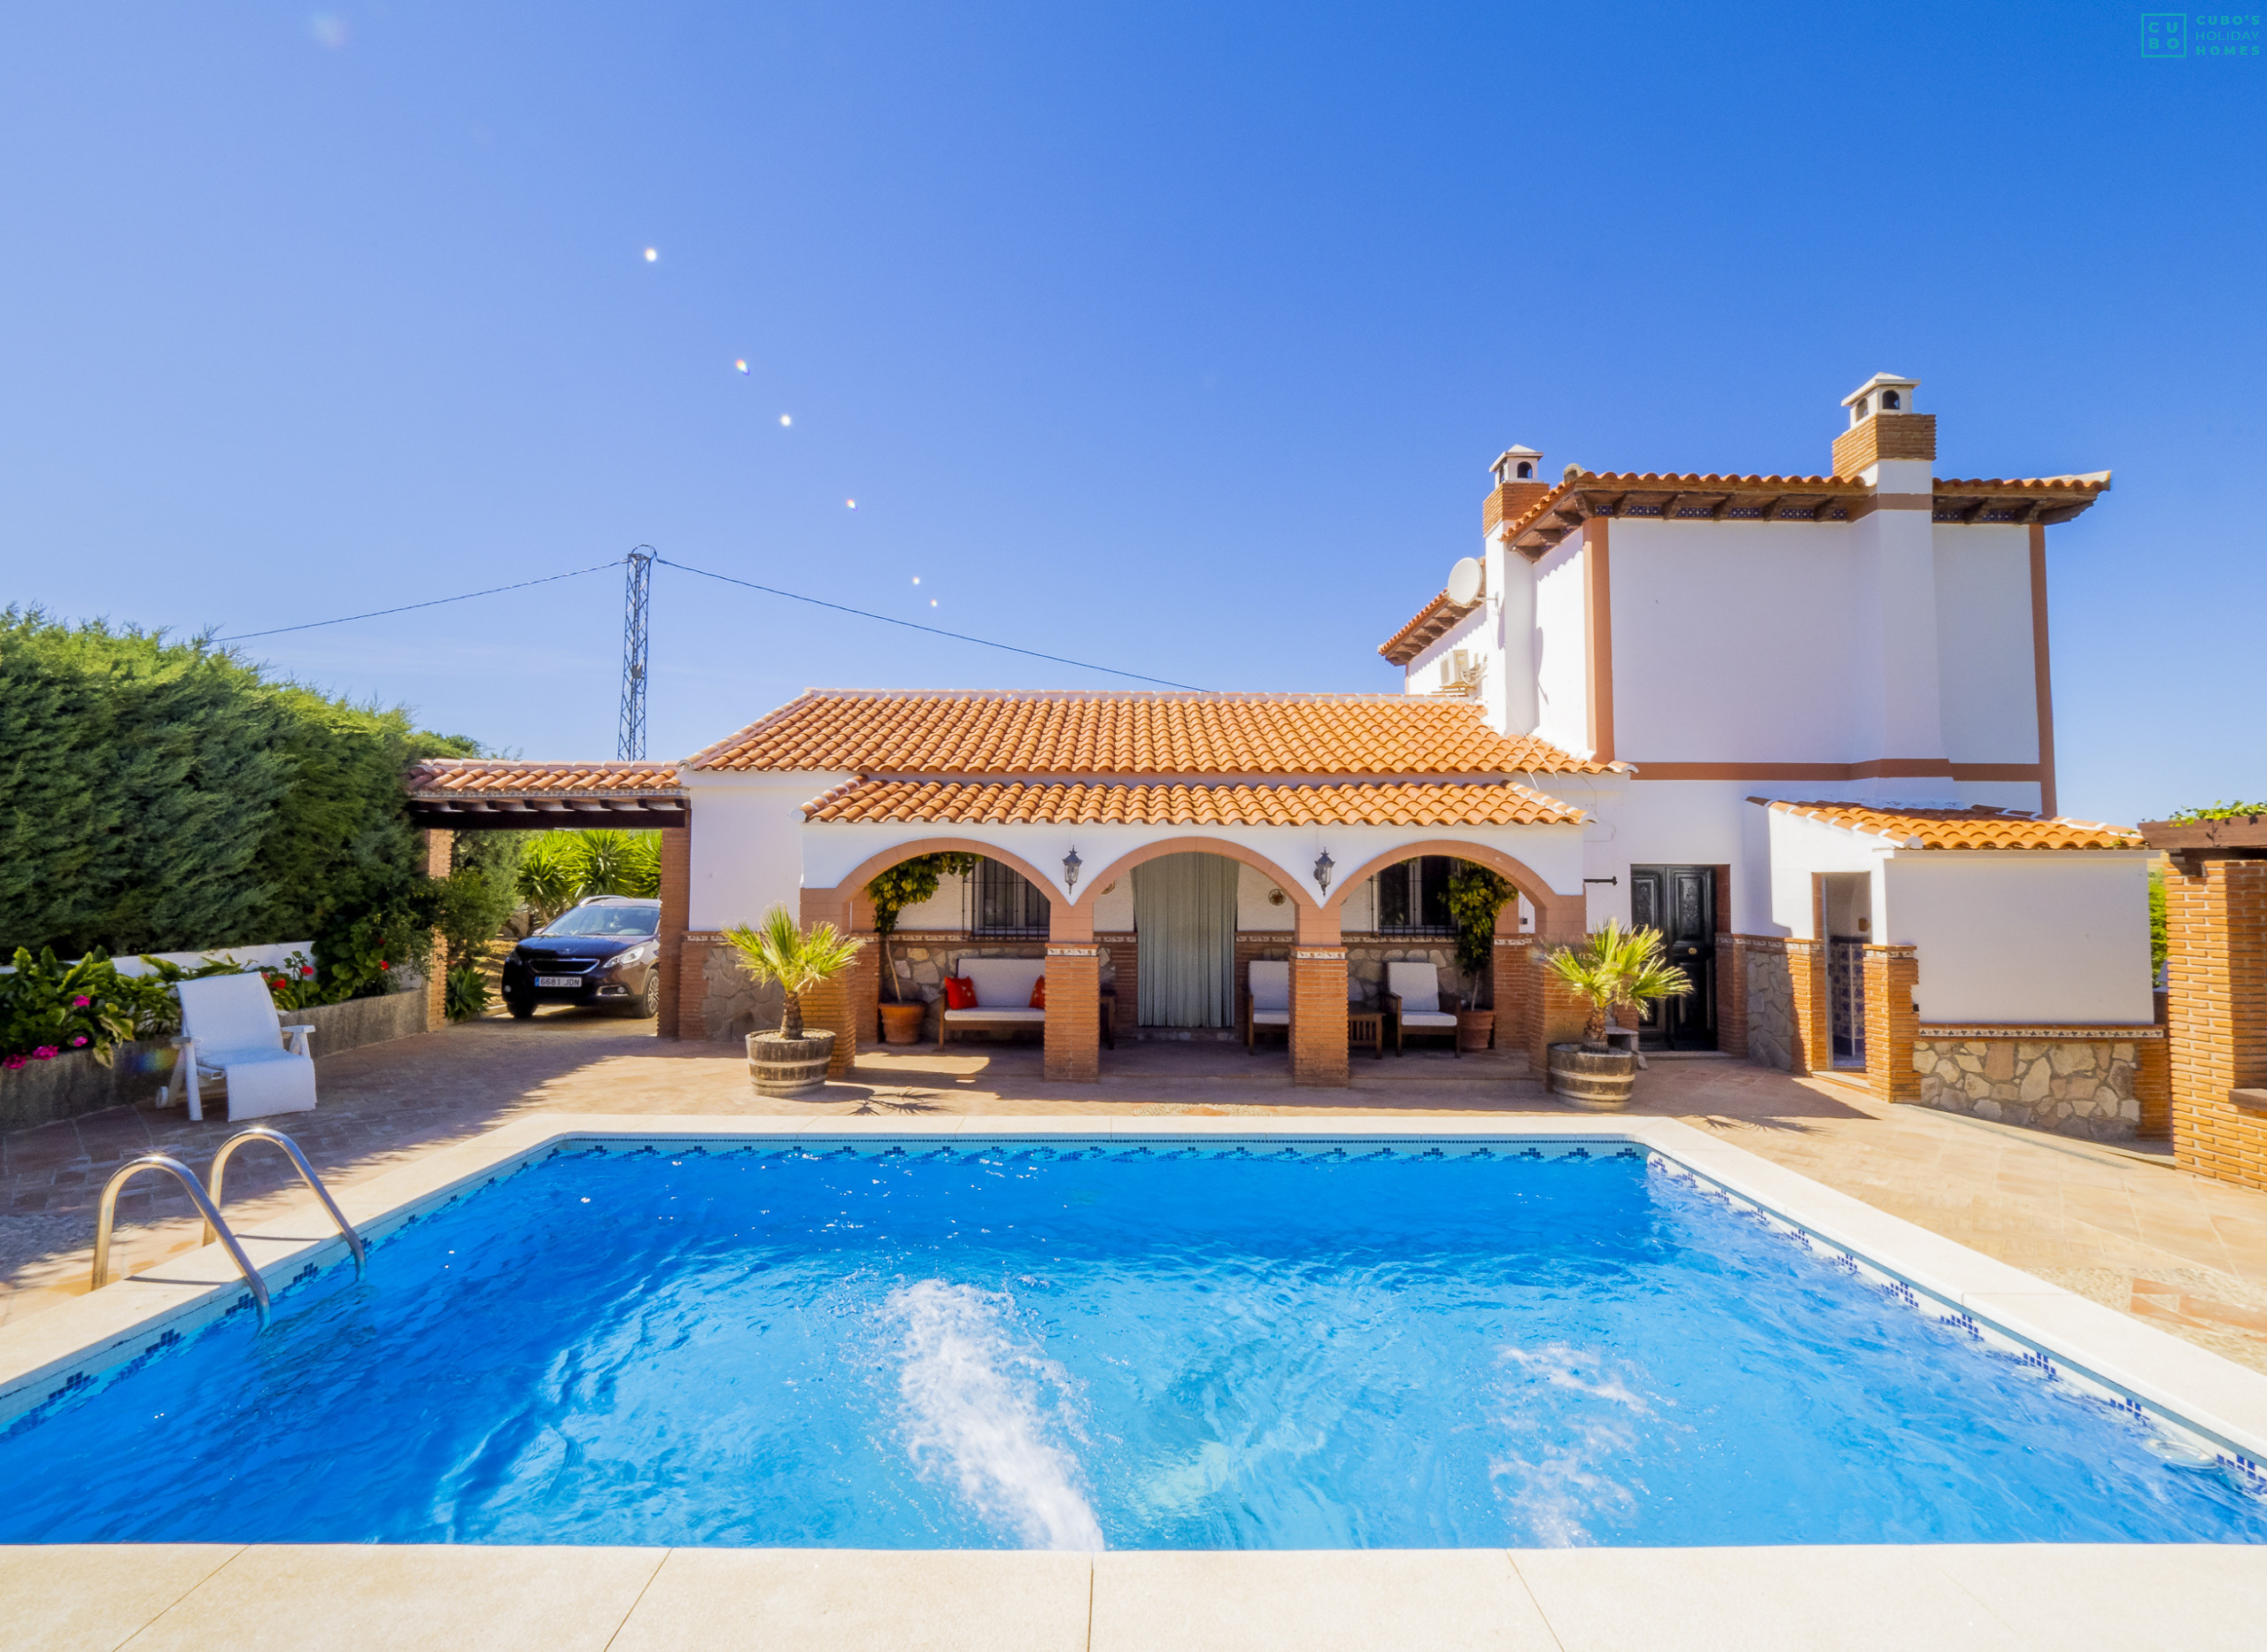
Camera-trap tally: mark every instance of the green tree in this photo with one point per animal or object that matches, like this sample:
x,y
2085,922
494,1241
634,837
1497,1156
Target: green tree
x,y
909,883
1475,896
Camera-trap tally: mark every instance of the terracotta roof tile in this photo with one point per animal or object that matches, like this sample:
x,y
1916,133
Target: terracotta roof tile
x,y
1444,613
474,777
1016,803
1013,736
1975,828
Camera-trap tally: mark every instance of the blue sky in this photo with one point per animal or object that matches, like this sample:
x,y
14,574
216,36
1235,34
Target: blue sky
x,y
1174,338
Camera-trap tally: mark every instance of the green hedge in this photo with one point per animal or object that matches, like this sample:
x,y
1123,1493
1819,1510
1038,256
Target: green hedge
x,y
167,797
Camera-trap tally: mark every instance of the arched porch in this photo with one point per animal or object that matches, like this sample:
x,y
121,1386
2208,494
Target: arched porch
x,y
1095,914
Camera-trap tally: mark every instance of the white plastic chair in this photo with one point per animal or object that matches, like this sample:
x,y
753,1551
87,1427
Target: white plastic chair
x,y
229,1030
1413,990
1267,1001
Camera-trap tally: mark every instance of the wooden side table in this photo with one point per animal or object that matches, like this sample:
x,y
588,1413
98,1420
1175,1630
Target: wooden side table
x,y
1365,1030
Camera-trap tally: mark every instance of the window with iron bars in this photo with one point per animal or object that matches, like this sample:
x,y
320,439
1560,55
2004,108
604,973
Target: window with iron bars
x,y
1001,901
1413,898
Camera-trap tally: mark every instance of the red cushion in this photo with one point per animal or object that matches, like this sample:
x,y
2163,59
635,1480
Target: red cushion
x,y
1038,993
959,992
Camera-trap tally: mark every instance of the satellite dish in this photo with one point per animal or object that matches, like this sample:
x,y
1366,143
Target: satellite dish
x,y
1465,579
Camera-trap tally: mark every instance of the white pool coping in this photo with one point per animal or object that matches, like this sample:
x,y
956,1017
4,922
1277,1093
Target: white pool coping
x,y
2188,1391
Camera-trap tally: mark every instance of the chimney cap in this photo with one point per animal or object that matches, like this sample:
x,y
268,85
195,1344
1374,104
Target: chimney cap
x,y
1515,463
1879,382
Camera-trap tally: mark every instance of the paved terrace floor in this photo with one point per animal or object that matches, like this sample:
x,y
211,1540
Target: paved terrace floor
x,y
2126,1229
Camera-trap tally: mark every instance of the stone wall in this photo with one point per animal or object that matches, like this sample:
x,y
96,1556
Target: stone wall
x,y
1365,962
1770,1005
2074,1086
731,1004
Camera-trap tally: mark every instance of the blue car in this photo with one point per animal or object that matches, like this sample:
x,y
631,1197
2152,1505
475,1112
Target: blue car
x,y
602,952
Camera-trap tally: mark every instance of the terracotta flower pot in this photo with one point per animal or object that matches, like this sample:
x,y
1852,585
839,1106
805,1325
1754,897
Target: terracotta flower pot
x,y
779,1066
901,1022
1597,1081
1475,1029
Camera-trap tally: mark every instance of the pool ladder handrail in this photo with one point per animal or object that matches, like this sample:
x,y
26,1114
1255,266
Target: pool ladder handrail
x,y
260,1132
107,1213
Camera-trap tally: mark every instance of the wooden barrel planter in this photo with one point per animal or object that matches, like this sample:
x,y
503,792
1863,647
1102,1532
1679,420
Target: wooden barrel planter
x,y
1597,1081
779,1066
901,1022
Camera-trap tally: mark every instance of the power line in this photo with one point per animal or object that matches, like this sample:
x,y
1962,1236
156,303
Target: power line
x,y
378,614
958,637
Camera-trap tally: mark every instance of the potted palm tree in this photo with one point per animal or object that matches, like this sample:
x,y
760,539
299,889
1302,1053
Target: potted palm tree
x,y
792,1060
1615,966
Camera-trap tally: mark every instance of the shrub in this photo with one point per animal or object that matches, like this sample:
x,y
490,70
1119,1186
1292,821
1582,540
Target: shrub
x,y
558,869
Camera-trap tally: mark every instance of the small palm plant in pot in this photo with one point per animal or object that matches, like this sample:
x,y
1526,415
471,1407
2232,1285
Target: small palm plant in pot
x,y
793,1059
1614,966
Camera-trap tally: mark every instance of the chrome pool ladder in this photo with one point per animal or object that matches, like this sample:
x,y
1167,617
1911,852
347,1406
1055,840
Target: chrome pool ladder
x,y
207,1202
260,1132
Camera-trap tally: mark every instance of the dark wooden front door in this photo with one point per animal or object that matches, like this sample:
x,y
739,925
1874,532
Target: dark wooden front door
x,y
1680,901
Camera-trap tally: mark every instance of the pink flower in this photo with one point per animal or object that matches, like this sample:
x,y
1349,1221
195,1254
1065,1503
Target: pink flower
x,y
45,1052
13,1063
76,1042
80,1002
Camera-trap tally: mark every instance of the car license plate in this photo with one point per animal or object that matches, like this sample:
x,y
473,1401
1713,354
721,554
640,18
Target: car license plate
x,y
559,980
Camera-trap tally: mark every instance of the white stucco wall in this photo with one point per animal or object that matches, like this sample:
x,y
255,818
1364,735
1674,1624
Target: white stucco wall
x,y
2015,937
1731,642
1562,648
747,837
1513,704
1986,670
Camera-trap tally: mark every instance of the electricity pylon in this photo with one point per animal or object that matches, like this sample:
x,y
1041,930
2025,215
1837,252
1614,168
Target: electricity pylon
x,y
640,562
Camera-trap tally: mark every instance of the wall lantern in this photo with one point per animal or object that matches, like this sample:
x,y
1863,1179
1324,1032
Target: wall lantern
x,y
1071,864
1322,870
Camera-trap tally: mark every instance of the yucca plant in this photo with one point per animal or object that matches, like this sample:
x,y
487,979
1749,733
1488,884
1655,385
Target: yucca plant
x,y
1617,966
797,959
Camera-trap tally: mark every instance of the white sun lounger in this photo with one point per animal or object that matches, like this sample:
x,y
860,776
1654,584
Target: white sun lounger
x,y
229,1030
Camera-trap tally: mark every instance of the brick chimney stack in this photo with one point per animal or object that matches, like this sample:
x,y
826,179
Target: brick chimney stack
x,y
1519,484
1883,425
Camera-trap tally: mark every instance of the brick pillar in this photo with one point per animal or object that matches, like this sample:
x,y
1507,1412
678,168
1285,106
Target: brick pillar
x,y
1318,1001
2215,933
1556,1014
440,848
835,1004
1125,961
1812,1048
688,1019
1731,994
677,905
1508,970
1892,1023
2153,1081
1073,1029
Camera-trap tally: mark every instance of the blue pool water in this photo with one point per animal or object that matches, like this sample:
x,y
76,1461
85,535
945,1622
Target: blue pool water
x,y
1009,1345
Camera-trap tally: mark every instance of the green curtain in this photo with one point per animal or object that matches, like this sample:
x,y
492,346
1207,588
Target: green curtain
x,y
1185,914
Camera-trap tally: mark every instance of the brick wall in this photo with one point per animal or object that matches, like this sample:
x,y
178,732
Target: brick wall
x,y
1121,971
2215,929
1555,1013
1892,1023
1732,993
439,848
1811,1049
1073,1029
1885,435
1318,1016
2153,1083
1512,969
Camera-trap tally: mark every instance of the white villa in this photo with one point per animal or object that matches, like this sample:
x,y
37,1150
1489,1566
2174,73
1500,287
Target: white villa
x,y
1801,724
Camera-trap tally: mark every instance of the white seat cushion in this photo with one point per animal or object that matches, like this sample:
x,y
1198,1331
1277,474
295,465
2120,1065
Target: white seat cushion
x,y
995,1016
1003,983
1271,1017
1271,987
1427,1018
1418,984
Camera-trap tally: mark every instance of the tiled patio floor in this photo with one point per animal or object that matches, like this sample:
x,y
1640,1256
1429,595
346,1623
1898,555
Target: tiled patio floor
x,y
2176,1250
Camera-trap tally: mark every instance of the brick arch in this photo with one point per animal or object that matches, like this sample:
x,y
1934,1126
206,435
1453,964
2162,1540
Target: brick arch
x,y
841,897
1559,917
1252,858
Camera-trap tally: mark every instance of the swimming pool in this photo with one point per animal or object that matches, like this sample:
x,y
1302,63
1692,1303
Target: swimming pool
x,y
1264,1343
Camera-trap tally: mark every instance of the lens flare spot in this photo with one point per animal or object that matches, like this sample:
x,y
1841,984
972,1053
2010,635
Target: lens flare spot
x,y
917,579
932,602
850,505
741,365
651,255
784,421
327,30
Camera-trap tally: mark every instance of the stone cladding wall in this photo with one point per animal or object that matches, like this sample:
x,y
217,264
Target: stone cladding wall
x,y
1770,1004
2073,1087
